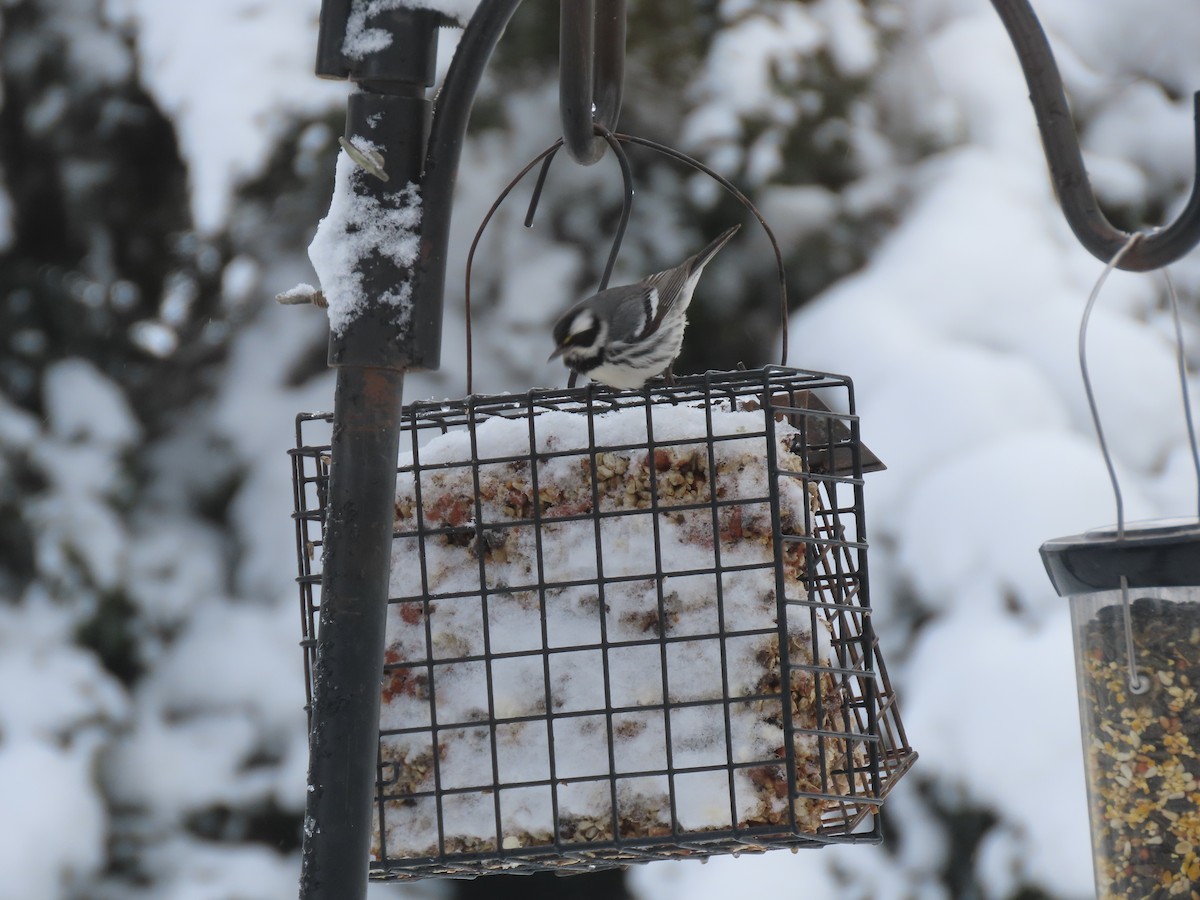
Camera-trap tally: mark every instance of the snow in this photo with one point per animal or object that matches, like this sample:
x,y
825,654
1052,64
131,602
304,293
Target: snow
x,y
55,713
84,406
300,293
1118,134
1024,503
851,40
362,40
232,74
90,428
459,11
156,338
362,226
218,719
60,842
1126,41
260,688
18,428
748,57
177,767
239,278
189,869
1016,745
170,567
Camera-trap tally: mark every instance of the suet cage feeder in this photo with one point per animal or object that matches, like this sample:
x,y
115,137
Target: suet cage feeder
x,y
1135,613
623,627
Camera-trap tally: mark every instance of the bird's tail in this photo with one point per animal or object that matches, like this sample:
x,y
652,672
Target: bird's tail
x,y
701,259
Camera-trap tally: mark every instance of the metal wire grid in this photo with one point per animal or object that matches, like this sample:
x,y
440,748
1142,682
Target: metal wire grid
x,y
855,731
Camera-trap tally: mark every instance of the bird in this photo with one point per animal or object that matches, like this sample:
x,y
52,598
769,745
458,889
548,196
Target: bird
x,y
625,335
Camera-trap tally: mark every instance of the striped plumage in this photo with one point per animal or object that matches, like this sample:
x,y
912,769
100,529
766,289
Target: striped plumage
x,y
626,335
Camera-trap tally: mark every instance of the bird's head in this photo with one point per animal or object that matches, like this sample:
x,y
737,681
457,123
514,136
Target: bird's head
x,y
579,336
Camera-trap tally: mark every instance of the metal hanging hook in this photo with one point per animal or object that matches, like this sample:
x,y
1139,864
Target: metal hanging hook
x,y
1075,195
591,73
546,158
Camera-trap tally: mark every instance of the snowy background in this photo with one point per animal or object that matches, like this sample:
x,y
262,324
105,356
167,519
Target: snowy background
x,y
162,168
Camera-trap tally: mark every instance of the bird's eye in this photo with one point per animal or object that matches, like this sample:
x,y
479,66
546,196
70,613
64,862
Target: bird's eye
x,y
582,338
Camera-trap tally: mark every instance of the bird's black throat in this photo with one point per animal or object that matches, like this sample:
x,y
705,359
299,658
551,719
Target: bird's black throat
x,y
586,364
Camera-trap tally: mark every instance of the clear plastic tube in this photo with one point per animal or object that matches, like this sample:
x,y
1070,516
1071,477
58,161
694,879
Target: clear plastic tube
x,y
1141,748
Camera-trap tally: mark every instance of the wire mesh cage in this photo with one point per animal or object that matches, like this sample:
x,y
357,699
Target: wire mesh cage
x,y
623,627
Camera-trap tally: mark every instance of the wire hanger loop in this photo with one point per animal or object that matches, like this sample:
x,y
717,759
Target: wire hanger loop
x,y
546,157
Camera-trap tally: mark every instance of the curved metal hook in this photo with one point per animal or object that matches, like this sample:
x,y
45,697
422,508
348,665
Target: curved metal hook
x,y
1075,195
591,73
626,200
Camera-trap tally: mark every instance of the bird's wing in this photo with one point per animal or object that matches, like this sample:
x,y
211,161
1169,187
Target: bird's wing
x,y
632,311
670,287
662,291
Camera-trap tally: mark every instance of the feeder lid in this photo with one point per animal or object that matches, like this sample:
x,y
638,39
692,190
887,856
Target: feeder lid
x,y
1158,553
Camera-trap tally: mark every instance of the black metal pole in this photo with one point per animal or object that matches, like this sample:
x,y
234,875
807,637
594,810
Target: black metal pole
x,y
371,356
344,743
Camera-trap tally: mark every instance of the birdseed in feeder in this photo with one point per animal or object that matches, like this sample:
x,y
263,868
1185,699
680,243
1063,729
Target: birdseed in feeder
x,y
596,637
1142,750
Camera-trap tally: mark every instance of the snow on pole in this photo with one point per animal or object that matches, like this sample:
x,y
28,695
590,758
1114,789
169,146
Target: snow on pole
x,y
366,248
362,227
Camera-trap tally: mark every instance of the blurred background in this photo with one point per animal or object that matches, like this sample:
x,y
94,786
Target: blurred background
x,y
163,167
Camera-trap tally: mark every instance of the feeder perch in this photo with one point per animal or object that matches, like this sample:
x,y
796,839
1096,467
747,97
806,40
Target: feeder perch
x,y
624,627
1135,613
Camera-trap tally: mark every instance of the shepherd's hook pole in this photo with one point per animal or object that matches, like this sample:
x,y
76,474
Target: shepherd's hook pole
x,y
371,355
1064,157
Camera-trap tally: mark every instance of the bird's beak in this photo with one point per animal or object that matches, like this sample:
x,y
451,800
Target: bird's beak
x,y
558,351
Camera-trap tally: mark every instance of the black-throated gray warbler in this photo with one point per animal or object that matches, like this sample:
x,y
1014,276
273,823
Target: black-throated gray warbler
x,y
625,335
